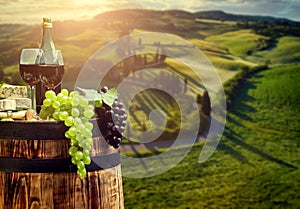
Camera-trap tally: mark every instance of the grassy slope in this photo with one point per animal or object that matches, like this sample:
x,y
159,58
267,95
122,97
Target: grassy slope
x,y
220,57
256,164
239,42
226,49
286,51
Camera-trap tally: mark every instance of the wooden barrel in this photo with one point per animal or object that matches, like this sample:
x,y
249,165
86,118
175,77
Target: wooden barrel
x,y
36,171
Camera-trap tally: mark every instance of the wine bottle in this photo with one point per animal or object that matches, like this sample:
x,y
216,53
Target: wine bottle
x,y
47,60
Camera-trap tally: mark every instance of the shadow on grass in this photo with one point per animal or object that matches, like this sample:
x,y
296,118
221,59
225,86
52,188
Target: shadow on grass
x,y
235,138
243,114
237,155
138,155
232,120
241,106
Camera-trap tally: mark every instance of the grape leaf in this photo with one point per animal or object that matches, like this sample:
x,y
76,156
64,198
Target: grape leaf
x,y
109,97
90,94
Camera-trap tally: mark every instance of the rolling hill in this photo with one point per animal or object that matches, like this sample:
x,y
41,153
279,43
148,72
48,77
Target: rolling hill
x,y
221,15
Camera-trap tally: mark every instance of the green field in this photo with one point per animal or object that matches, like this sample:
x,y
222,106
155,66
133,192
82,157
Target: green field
x,y
256,165
239,43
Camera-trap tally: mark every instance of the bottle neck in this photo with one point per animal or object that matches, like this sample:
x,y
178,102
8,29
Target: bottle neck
x,y
47,41
48,47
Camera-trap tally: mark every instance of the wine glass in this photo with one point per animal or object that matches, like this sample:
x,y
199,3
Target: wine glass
x,y
52,74
29,71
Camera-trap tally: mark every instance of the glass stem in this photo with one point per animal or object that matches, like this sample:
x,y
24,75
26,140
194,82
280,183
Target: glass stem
x,y
33,99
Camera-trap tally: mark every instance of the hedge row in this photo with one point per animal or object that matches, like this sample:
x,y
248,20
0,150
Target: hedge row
x,y
232,86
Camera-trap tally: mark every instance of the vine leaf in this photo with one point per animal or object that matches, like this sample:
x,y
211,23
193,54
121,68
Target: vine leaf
x,y
110,96
92,95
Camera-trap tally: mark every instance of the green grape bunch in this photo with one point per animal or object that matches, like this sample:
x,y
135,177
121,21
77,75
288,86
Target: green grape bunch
x,y
76,111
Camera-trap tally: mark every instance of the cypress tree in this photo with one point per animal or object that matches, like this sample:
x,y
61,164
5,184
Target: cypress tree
x,y
206,106
199,99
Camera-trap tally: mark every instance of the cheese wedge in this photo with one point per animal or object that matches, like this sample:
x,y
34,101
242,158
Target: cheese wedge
x,y
8,104
22,103
14,115
13,91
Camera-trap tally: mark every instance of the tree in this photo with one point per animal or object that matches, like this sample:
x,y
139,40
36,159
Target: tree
x,y
140,43
145,59
206,106
199,99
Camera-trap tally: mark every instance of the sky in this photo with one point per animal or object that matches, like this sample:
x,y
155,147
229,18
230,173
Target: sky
x,y
32,11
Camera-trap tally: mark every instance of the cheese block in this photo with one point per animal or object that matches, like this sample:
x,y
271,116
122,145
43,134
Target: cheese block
x,y
15,115
22,103
13,91
8,104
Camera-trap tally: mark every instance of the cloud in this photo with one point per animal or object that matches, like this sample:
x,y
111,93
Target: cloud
x,y
291,10
32,11
279,8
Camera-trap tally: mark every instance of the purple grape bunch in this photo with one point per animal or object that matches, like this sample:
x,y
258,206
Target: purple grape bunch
x,y
113,120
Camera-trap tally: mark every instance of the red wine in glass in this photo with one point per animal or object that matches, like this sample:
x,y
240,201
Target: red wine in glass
x,y
29,74
51,75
